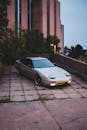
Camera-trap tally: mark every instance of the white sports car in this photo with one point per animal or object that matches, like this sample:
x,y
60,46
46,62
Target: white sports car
x,y
43,71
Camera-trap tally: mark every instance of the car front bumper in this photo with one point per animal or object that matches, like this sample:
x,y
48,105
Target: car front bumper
x,y
57,82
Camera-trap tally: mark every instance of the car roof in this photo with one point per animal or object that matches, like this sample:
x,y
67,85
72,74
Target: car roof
x,y
36,58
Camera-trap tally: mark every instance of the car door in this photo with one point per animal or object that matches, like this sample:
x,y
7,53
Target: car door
x,y
27,68
23,68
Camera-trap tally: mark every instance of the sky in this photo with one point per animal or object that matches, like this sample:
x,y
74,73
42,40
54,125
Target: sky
x,y
74,19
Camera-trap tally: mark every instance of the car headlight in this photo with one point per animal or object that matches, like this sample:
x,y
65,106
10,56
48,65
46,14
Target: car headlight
x,y
51,77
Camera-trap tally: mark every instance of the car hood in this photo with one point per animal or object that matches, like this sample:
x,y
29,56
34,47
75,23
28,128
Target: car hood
x,y
53,73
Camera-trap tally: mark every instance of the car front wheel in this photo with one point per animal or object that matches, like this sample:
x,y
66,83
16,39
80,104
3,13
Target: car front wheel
x,y
37,80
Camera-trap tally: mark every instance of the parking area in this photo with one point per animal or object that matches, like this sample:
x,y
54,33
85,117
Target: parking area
x,y
25,106
14,87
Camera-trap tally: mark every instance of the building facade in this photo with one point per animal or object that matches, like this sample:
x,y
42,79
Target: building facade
x,y
41,15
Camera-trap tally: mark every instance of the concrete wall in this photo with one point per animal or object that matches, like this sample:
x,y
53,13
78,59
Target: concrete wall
x,y
72,65
37,15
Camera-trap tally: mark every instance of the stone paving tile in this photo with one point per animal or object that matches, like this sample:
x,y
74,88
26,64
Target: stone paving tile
x,y
4,82
83,84
14,77
12,82
70,91
76,86
74,95
71,114
32,92
26,116
84,95
73,83
61,96
26,81
4,89
81,90
17,98
16,88
28,86
45,92
41,88
4,93
31,97
47,97
17,85
58,91
17,93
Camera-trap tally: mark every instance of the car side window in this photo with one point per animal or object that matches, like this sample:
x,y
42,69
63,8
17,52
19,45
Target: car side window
x,y
24,61
30,63
27,62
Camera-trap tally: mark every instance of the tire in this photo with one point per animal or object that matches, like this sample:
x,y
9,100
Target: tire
x,y
37,80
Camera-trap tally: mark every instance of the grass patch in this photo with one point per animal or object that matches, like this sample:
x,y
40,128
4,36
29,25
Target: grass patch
x,y
5,99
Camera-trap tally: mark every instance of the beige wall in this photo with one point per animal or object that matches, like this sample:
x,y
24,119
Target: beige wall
x,y
37,15
11,14
58,26
44,17
24,14
51,17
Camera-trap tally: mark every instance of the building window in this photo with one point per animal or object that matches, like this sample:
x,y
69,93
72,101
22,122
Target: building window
x,y
48,18
29,14
18,17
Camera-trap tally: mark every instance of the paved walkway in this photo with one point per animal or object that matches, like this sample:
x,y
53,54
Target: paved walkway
x,y
14,87
25,106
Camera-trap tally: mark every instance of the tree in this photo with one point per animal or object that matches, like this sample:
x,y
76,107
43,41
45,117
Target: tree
x,y
35,42
3,18
66,50
12,48
78,50
28,43
53,40
72,51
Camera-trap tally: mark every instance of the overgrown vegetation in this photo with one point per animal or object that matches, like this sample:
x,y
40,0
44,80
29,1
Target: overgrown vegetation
x,y
76,52
14,47
4,99
3,18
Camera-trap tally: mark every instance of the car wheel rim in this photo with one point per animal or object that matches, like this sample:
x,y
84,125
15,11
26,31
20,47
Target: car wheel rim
x,y
37,80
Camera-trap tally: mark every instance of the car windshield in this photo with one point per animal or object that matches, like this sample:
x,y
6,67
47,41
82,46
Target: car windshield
x,y
42,63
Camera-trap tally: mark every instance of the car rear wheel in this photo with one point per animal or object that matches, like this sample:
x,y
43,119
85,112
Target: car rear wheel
x,y
37,80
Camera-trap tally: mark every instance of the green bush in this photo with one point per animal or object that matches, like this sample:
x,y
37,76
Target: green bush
x,y
83,58
14,47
